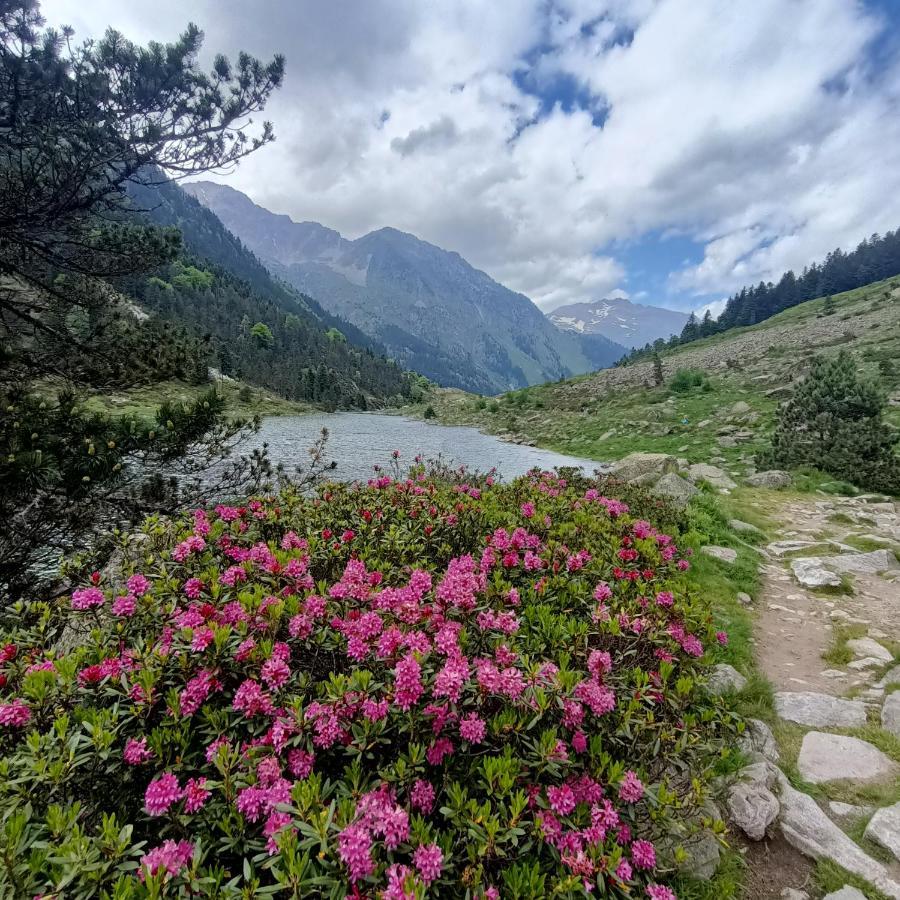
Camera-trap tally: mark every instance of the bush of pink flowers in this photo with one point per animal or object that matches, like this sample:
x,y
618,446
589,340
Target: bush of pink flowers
x,y
416,687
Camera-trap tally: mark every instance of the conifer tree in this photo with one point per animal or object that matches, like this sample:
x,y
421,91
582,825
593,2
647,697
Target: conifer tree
x,y
834,422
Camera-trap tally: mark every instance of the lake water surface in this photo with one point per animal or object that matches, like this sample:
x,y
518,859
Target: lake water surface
x,y
357,441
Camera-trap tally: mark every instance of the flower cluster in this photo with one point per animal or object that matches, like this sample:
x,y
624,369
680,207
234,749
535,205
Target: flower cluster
x,y
361,683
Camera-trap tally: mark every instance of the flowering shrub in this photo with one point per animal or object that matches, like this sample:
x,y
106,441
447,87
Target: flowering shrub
x,y
415,687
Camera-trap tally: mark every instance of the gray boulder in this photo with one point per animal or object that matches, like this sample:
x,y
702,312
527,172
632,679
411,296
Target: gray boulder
x,y
744,598
867,646
890,714
884,828
819,710
773,478
810,572
713,475
644,466
743,527
806,827
847,892
758,739
725,679
753,808
835,757
864,563
723,554
675,488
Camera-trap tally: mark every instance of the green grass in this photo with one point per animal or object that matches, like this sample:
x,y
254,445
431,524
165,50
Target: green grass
x,y
830,877
839,654
243,400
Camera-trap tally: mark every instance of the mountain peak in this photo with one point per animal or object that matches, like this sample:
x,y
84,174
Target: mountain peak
x,y
620,320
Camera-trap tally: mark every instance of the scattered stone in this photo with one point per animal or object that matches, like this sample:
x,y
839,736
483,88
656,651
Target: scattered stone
x,y
725,679
865,646
758,738
740,409
744,599
781,548
773,478
847,812
723,554
845,893
864,563
819,710
744,527
834,757
884,828
715,476
793,894
890,714
810,573
806,827
677,489
890,677
753,808
834,673
641,465
867,662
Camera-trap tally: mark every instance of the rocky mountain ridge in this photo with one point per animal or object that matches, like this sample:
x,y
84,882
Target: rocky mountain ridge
x,y
432,310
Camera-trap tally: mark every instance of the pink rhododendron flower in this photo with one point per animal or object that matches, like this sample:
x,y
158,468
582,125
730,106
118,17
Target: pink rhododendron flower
x,y
722,638
472,729
170,856
438,750
643,854
421,796
138,585
355,850
407,682
15,714
136,751
631,790
659,892
85,598
428,860
124,606
161,794
300,762
561,799
195,794
275,672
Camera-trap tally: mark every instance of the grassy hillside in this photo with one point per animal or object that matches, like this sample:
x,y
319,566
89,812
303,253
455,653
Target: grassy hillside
x,y
610,413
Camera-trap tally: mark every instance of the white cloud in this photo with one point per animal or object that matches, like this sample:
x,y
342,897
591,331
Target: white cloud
x,y
756,127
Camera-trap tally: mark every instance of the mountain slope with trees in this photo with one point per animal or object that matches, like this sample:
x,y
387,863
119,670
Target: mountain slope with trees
x,y
874,259
433,311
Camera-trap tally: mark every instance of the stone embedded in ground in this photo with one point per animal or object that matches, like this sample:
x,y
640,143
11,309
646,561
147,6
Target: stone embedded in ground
x,y
835,757
806,827
752,807
723,554
819,710
866,646
847,892
643,465
892,676
890,714
758,738
702,857
793,894
744,599
677,489
884,828
744,527
847,812
773,478
810,572
725,679
713,475
780,548
867,662
863,563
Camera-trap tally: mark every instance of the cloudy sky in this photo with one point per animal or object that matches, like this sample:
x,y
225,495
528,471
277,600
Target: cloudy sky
x,y
672,150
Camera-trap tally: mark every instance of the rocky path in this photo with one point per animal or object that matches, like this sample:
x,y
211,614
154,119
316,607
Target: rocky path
x,y
831,587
